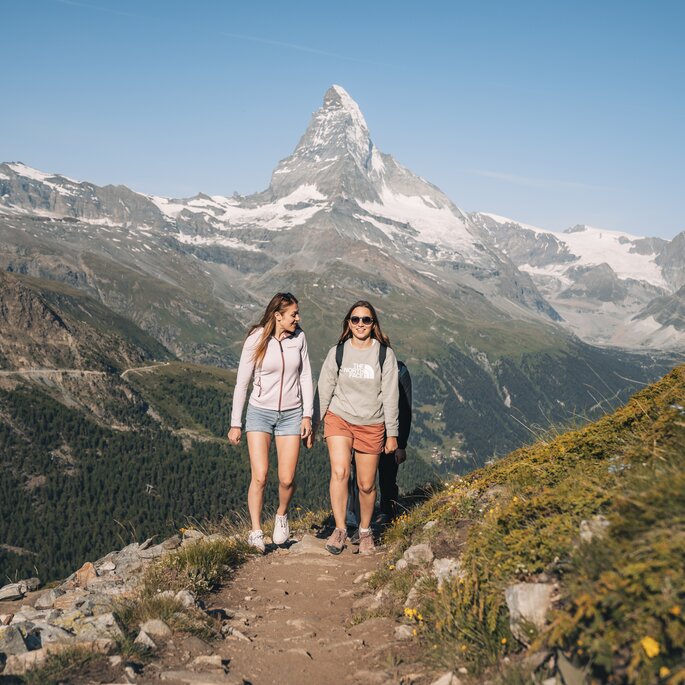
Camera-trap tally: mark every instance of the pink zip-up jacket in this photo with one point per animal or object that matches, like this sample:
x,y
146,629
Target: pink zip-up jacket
x,y
283,381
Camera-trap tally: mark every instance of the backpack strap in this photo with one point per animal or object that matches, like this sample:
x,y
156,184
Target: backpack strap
x,y
382,352
339,355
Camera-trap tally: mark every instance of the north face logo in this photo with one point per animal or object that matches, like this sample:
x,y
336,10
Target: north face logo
x,y
359,371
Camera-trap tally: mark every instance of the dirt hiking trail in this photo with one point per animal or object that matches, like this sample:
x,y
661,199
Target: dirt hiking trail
x,y
292,613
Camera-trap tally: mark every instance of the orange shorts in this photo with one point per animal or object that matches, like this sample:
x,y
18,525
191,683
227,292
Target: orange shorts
x,y
365,439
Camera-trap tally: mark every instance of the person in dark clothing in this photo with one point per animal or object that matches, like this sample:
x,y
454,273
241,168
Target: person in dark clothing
x,y
388,465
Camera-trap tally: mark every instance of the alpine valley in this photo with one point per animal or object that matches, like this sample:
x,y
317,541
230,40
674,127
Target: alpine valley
x,y
122,316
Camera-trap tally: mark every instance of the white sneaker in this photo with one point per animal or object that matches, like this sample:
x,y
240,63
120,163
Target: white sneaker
x,y
256,539
281,530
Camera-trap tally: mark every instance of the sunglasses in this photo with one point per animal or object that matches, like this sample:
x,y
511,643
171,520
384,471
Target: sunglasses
x,y
366,320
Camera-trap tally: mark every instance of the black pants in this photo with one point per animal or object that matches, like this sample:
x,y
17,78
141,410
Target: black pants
x,y
387,484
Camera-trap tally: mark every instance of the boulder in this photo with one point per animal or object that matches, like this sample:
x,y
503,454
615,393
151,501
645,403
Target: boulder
x,y
418,554
45,633
528,605
13,591
12,641
97,627
20,663
47,599
85,574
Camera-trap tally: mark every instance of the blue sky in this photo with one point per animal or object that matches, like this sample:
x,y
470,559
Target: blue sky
x,y
553,113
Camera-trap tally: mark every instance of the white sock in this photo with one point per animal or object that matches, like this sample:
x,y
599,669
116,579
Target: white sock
x,y
364,530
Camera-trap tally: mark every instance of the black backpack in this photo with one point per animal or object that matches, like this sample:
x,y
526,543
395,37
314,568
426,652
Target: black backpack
x,y
404,383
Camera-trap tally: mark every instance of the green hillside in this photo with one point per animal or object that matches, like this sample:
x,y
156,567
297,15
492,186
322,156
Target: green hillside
x,y
619,613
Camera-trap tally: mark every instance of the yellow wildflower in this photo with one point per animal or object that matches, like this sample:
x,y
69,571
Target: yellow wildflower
x,y
504,640
413,632
674,611
651,646
664,672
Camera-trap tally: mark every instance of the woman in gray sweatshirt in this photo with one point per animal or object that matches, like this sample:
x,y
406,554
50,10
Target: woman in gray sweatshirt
x,y
359,404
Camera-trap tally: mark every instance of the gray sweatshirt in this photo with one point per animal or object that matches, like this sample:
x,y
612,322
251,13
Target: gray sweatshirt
x,y
360,394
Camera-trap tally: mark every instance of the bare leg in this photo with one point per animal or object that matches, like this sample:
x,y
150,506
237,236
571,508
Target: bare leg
x,y
367,466
340,453
258,446
288,450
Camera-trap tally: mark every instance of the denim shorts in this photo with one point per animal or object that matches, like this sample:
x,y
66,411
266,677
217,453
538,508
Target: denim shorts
x,y
288,422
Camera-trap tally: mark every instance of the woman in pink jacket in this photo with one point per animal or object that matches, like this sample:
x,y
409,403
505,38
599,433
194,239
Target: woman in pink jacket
x,y
275,356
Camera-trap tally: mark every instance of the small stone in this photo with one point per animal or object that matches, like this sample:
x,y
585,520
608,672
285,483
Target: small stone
x,y
528,605
32,584
172,543
230,631
463,670
156,628
193,678
404,632
428,525
596,527
144,640
444,569
146,544
6,619
116,660
309,545
213,661
12,641
195,646
447,679
186,598
152,552
192,534
108,566
362,577
418,554
300,652
401,564
85,574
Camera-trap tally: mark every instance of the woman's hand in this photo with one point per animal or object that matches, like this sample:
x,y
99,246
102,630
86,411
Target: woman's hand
x,y
234,435
390,444
306,427
400,456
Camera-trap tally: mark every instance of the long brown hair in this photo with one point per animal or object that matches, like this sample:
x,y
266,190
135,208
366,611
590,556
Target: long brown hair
x,y
279,303
376,331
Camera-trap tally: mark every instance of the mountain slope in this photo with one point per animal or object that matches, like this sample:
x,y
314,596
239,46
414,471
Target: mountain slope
x,y
341,220
601,282
582,532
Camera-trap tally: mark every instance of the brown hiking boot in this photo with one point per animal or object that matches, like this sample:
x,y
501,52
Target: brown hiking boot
x,y
336,542
366,543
